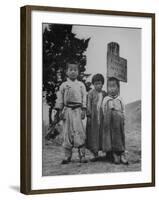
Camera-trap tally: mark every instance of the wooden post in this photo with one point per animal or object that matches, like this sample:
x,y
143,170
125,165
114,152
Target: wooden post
x,y
116,65
113,48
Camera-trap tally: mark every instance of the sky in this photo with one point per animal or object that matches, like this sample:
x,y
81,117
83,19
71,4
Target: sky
x,y
129,40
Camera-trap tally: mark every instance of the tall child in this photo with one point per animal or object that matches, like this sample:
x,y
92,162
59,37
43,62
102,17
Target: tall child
x,y
94,116
113,123
71,105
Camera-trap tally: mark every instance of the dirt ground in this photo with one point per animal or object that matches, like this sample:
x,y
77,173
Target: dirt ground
x,y
53,154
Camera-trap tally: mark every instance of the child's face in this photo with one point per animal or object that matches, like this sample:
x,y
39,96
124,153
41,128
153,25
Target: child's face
x,y
98,85
72,71
113,89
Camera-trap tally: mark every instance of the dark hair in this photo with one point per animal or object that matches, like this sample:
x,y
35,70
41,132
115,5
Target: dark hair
x,y
98,77
115,80
72,62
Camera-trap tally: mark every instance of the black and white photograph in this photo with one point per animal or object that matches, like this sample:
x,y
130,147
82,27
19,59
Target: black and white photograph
x,y
91,99
88,116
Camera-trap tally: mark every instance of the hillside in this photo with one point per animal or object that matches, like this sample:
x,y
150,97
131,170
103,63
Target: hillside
x,y
133,115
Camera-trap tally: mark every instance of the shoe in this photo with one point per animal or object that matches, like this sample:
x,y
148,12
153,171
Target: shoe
x,y
95,159
83,160
109,156
123,159
66,161
116,158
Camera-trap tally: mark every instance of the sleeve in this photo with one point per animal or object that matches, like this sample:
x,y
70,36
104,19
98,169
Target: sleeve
x,y
89,104
84,95
104,104
104,93
123,106
60,98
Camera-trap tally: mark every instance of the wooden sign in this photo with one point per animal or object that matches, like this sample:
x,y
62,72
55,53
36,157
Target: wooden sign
x,y
116,67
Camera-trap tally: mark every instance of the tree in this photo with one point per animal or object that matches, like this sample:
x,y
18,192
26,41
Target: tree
x,y
60,46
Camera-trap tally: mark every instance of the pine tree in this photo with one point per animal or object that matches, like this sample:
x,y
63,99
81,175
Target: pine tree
x,y
60,46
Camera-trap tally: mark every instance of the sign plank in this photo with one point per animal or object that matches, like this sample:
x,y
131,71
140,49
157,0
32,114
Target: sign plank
x,y
117,67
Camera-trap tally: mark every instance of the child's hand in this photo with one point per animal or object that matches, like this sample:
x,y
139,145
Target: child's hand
x,y
83,113
88,119
61,115
124,122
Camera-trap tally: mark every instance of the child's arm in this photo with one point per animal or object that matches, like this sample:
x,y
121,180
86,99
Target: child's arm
x,y
104,104
60,101
89,104
123,107
84,95
105,94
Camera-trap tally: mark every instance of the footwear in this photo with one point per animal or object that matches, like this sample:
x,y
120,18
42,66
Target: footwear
x,y
116,158
83,160
81,154
94,159
66,161
123,159
109,156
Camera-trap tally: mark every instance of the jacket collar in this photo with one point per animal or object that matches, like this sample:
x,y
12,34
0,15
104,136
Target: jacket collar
x,y
69,80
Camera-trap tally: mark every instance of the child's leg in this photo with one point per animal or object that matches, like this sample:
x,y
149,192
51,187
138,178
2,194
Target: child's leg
x,y
67,155
109,156
116,157
95,156
81,153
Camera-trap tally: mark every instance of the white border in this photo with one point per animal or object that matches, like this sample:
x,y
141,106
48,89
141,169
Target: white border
x,y
39,182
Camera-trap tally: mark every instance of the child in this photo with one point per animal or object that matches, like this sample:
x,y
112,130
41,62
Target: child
x,y
71,106
113,123
94,116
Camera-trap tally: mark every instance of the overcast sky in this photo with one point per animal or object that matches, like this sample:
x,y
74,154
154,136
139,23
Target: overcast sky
x,y
130,49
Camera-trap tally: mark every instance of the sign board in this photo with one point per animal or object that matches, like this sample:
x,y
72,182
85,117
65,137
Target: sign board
x,y
117,67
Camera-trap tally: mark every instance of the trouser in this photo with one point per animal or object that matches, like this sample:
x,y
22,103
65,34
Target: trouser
x,y
118,152
68,152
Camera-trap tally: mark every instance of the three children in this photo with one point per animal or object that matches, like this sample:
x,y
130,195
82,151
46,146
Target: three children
x,y
105,117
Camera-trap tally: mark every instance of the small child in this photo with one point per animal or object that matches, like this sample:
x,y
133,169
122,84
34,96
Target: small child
x,y
71,106
94,116
113,123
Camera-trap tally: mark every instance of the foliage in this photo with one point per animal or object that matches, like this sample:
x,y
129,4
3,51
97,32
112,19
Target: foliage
x,y
60,46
